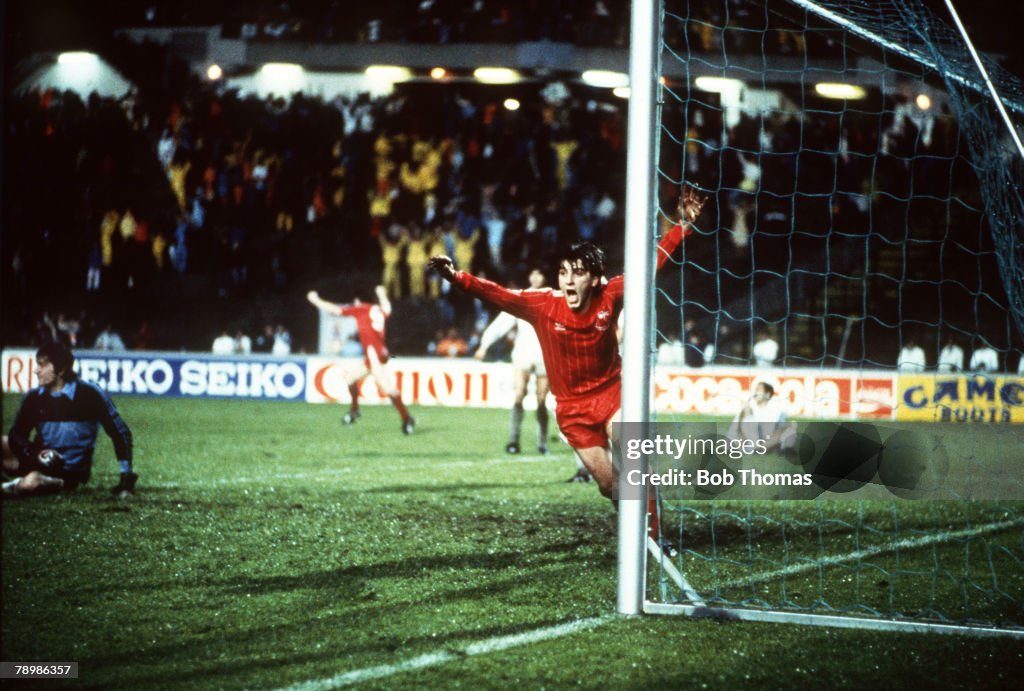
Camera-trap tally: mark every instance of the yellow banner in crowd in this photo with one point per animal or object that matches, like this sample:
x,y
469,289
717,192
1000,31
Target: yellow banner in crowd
x,y
960,398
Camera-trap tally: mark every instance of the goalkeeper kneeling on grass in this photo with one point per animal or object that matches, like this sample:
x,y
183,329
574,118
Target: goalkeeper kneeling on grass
x,y
65,413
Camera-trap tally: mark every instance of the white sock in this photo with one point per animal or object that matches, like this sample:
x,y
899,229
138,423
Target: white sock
x,y
11,486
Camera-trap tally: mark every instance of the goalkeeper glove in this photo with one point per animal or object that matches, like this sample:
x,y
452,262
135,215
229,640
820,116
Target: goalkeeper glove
x,y
126,485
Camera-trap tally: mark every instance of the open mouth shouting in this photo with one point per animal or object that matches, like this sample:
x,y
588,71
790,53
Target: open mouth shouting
x,y
572,298
576,284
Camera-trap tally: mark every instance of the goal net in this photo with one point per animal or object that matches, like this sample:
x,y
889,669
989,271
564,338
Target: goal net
x,y
861,251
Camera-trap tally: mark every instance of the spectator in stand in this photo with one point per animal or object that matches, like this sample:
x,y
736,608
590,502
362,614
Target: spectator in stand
x,y
436,247
671,353
265,341
985,359
766,350
94,269
465,243
143,336
282,341
108,339
223,344
911,358
243,344
392,244
416,257
694,346
452,345
495,227
951,357
69,328
694,351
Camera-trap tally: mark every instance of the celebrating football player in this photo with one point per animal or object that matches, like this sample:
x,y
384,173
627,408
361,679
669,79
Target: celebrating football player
x,y
370,319
576,328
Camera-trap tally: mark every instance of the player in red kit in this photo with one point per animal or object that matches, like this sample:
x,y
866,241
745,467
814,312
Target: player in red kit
x,y
576,328
370,319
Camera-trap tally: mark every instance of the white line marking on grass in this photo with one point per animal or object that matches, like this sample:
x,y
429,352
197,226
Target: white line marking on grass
x,y
905,543
811,565
334,472
491,645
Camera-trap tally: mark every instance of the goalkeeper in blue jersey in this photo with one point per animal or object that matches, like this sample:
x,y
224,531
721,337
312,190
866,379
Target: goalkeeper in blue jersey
x,y
65,414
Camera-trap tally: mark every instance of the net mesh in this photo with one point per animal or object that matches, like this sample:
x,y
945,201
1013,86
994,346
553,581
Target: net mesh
x,y
847,242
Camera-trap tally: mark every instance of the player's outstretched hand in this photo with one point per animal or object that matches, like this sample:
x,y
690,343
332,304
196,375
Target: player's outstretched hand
x,y
690,205
313,296
443,266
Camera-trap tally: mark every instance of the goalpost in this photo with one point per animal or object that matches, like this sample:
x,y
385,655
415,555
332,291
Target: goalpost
x,y
864,196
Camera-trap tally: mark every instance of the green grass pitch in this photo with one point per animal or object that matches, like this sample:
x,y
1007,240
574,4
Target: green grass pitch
x,y
269,546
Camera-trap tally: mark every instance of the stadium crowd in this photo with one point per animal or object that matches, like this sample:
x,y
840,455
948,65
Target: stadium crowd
x,y
244,194
599,23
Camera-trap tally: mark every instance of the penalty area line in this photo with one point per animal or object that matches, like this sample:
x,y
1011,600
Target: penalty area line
x,y
490,645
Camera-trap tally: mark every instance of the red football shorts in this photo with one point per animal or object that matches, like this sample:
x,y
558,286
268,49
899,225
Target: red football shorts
x,y
584,420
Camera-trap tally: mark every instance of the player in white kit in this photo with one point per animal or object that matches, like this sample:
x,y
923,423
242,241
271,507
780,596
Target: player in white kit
x,y
527,361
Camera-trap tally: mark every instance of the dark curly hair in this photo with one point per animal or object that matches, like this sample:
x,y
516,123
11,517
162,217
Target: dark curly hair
x,y
60,356
587,255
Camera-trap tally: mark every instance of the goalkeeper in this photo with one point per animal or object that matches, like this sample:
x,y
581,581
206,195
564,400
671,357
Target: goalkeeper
x,y
576,328
65,413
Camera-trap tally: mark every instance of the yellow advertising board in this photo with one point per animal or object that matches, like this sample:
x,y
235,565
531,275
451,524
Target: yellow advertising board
x,y
960,398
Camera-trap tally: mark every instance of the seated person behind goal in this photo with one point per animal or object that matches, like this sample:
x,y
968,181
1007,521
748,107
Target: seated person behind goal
x,y
763,418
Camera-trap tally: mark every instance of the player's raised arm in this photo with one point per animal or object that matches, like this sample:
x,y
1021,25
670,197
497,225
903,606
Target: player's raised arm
x,y
516,302
499,328
321,304
690,206
382,299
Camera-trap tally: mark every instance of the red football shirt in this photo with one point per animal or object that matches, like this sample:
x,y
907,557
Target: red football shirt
x,y
581,352
370,320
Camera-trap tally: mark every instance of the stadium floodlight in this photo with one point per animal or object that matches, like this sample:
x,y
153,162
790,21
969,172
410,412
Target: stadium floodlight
x,y
281,70
281,78
388,73
605,79
214,72
438,73
849,92
621,92
511,104
496,75
78,58
718,85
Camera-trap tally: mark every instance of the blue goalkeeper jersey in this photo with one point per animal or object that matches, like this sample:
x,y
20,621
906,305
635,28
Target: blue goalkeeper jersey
x,y
68,421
